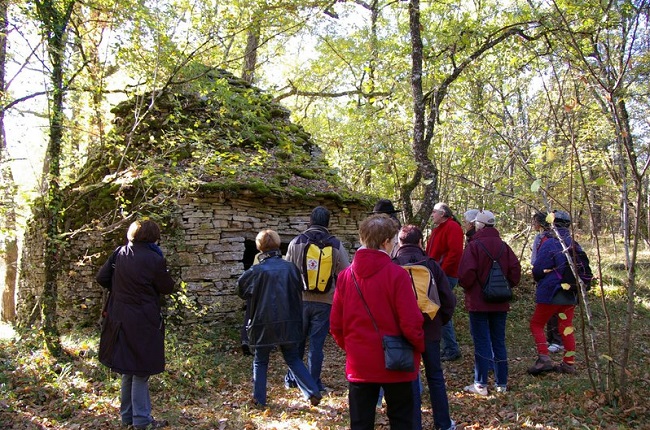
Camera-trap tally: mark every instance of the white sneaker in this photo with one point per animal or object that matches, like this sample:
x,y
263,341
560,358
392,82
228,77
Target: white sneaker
x,y
501,389
554,347
476,388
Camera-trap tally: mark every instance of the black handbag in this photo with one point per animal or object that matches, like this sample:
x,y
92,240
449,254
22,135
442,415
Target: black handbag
x,y
398,352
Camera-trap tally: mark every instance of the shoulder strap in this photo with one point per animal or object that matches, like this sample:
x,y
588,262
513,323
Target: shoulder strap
x,y
503,246
364,301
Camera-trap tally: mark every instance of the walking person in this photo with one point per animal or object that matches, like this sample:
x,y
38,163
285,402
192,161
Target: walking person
x,y
487,320
551,298
132,341
316,304
410,252
445,246
273,289
373,298
543,228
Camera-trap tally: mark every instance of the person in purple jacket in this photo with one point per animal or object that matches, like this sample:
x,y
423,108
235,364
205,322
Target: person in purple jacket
x,y
552,298
487,320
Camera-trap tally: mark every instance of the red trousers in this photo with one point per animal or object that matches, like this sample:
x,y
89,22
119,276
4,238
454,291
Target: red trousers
x,y
542,314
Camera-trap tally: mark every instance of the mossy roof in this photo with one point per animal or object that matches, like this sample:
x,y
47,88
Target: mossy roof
x,y
211,133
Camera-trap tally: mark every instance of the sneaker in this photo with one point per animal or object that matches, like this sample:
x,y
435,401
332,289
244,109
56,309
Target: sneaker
x,y
155,424
565,368
314,400
500,389
555,347
452,426
289,384
450,357
543,364
476,388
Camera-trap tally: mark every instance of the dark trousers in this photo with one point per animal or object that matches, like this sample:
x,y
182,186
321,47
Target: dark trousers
x,y
363,401
553,331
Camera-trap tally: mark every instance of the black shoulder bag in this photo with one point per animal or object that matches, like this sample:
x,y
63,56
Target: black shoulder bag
x,y
398,352
496,288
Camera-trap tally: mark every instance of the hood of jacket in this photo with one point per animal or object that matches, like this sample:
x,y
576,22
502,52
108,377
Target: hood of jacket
x,y
368,262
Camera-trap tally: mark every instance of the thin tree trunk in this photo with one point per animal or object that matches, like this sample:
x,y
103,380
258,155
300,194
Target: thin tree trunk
x,y
55,22
9,242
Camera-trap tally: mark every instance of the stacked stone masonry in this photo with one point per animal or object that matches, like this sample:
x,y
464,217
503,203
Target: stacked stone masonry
x,y
205,246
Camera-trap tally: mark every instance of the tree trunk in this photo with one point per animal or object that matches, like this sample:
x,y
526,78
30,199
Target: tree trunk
x,y
55,22
9,251
250,55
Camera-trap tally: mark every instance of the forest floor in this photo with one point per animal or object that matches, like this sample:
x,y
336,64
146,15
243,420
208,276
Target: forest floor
x,y
207,384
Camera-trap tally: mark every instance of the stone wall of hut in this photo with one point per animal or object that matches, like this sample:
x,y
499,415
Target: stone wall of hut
x,y
208,243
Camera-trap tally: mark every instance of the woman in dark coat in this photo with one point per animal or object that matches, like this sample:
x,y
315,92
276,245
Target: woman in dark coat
x,y
487,320
133,331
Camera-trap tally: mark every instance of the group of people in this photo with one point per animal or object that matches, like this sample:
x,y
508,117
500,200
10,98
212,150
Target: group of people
x,y
368,298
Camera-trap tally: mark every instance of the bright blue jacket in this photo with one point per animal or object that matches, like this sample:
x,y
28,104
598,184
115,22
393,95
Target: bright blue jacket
x,y
550,256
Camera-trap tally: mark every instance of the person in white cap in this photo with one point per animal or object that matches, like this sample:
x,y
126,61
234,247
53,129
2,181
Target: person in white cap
x,y
487,320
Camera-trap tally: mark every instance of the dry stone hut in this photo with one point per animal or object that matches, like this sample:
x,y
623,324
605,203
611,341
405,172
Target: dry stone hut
x,y
213,161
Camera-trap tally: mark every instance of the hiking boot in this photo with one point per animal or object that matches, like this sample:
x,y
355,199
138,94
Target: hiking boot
x,y
314,400
155,424
543,364
450,357
476,388
555,347
565,368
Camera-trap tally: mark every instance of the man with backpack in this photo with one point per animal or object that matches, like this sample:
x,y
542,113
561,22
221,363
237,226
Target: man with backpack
x,y
320,257
435,289
557,293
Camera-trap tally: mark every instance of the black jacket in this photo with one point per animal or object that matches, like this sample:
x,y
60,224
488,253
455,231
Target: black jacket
x,y
274,287
133,331
410,254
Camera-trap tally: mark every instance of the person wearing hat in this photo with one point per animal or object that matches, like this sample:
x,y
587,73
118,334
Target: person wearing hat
x,y
468,224
445,246
543,228
487,320
550,300
385,206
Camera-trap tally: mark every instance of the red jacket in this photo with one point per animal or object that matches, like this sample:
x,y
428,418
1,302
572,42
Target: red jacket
x,y
475,265
386,288
445,245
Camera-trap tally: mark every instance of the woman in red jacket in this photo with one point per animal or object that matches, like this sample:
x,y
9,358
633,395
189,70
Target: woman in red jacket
x,y
386,289
487,320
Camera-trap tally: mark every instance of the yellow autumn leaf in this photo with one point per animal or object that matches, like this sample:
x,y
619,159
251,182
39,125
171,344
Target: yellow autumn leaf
x,y
562,315
606,357
569,353
568,331
565,286
550,217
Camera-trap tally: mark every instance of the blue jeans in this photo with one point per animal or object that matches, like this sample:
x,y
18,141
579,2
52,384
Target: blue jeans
x,y
488,331
449,344
315,327
290,353
135,405
436,383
